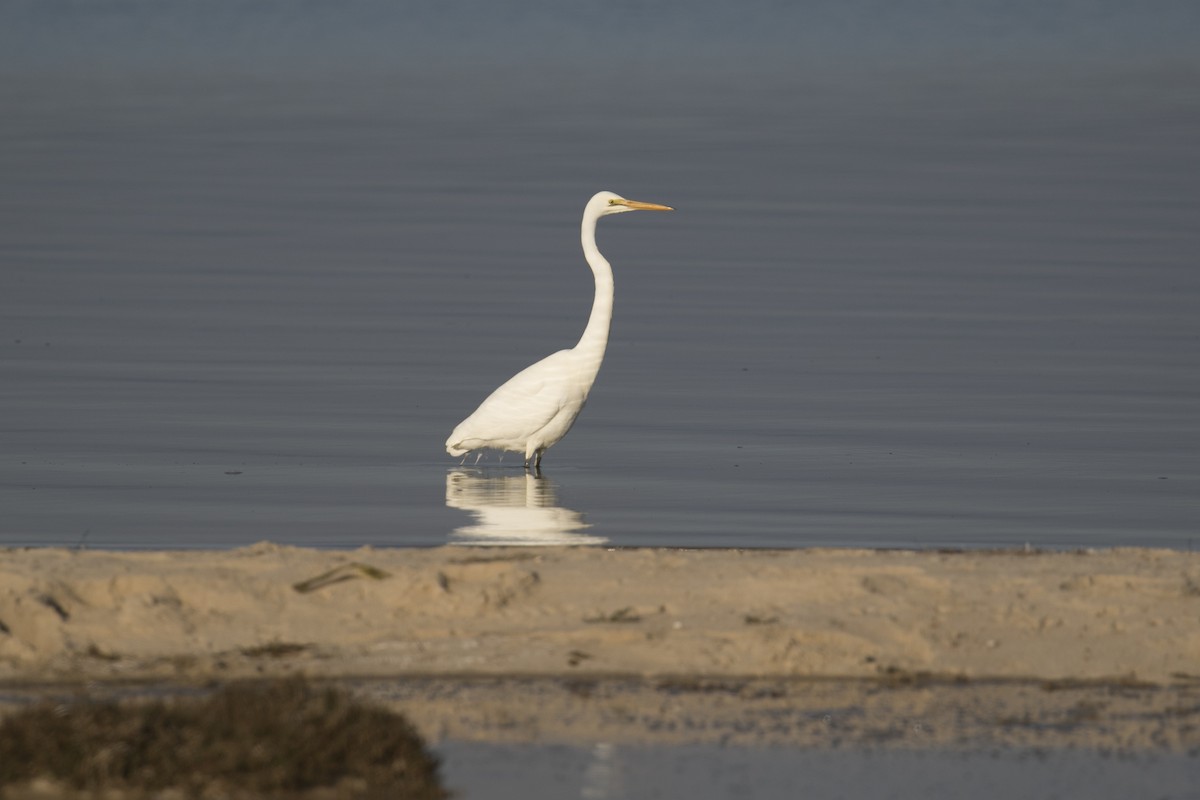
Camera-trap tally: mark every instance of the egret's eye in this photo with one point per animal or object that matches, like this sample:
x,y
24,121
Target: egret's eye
x,y
612,201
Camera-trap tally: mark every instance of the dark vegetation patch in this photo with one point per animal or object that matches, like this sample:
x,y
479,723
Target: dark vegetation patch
x,y
275,650
344,572
275,739
621,615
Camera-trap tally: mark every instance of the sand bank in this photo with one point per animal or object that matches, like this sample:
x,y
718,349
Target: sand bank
x,y
644,642
1116,614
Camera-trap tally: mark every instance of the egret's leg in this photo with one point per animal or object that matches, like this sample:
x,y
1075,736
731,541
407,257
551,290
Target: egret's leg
x,y
538,460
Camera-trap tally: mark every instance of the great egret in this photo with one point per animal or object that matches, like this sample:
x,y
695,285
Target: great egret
x,y
535,408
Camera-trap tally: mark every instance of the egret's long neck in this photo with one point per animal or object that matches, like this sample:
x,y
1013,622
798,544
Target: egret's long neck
x,y
595,335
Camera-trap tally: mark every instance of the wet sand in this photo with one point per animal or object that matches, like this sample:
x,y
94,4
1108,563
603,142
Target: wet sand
x,y
815,647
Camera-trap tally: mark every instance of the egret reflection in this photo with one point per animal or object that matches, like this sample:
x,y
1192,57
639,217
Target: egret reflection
x,y
512,509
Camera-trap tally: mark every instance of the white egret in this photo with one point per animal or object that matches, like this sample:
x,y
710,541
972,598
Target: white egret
x,y
535,408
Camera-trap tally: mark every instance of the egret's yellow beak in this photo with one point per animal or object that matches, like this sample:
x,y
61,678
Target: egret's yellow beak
x,y
638,205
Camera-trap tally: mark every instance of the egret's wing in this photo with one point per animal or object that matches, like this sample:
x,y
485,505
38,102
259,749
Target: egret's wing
x,y
519,408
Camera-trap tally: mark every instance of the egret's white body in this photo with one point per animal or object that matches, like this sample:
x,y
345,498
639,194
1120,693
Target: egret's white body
x,y
535,408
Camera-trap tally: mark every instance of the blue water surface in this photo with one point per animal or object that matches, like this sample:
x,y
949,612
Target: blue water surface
x,y
931,282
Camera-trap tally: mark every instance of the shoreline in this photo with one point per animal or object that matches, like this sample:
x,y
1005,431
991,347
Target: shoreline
x,y
905,713
819,648
1129,614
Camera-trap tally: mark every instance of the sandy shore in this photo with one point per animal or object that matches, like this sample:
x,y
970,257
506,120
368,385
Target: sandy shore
x,y
493,635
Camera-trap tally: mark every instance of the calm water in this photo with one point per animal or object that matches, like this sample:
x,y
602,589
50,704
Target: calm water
x,y
706,772
932,280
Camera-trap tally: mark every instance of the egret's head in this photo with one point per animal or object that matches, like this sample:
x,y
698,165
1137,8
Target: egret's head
x,y
610,203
